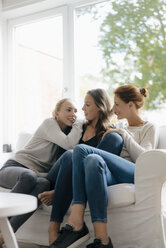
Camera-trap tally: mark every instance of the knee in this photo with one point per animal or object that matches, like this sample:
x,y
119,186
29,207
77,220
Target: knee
x,y
28,177
80,151
114,138
92,163
78,148
68,155
114,141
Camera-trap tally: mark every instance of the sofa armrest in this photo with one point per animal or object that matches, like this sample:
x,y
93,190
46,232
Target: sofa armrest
x,y
5,156
150,175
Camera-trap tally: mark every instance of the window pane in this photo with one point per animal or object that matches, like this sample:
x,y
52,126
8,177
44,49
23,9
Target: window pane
x,y
38,71
88,55
123,42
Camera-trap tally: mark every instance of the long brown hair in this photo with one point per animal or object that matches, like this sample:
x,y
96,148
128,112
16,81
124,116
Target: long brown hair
x,y
102,101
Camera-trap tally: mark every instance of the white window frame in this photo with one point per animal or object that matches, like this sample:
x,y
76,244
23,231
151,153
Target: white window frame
x,y
26,14
9,89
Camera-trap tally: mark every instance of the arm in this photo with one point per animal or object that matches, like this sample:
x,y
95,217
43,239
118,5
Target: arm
x,y
53,133
148,140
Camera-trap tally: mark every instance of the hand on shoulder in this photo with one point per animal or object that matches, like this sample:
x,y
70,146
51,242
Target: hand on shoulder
x,y
111,130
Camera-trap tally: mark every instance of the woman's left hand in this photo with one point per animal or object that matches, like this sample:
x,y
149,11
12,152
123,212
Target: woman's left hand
x,y
111,130
35,171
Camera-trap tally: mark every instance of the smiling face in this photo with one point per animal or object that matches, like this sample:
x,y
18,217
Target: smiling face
x,y
66,115
121,108
91,111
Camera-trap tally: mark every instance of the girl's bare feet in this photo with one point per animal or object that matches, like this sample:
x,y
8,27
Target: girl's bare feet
x,y
46,197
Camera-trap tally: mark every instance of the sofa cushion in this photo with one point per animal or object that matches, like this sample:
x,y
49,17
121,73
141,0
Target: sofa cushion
x,y
22,140
121,195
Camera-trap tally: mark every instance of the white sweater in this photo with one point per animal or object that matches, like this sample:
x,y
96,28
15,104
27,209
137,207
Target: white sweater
x,y
40,152
138,140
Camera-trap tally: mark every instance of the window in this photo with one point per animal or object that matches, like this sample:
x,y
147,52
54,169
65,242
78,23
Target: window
x,y
122,42
37,81
88,55
38,71
65,51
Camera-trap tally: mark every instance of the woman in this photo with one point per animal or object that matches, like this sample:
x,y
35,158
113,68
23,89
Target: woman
x,y
97,110
19,174
94,170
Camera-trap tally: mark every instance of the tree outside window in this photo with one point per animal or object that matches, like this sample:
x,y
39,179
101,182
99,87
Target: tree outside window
x,y
132,42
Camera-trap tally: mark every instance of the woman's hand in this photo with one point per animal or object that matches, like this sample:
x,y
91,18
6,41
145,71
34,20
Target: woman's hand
x,y
111,130
35,171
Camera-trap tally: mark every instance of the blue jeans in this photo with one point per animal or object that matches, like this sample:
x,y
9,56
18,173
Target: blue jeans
x,y
60,176
93,171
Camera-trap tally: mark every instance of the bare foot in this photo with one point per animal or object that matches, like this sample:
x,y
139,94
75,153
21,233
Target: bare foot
x,y
46,197
53,231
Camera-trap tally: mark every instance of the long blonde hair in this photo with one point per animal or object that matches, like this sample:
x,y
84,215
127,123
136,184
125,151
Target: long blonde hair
x,y
59,105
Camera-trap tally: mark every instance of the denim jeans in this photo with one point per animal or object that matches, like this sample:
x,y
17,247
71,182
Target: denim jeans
x,y
93,171
20,179
60,176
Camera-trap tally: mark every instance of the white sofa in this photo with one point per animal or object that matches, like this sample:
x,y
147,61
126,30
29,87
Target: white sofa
x,y
136,213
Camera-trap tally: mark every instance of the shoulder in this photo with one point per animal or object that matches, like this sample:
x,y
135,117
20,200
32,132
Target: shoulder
x,y
150,128
120,124
151,125
50,122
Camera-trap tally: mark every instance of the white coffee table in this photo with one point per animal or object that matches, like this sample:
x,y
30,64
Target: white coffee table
x,y
12,204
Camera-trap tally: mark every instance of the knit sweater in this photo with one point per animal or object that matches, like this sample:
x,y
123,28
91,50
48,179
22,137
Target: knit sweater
x,y
40,152
138,140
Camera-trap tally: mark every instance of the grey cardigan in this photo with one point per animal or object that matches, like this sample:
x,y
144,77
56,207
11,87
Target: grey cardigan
x,y
40,152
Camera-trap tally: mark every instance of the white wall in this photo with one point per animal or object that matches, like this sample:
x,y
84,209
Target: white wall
x,y
14,3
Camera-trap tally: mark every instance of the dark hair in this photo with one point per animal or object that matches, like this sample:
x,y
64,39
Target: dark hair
x,y
130,93
102,101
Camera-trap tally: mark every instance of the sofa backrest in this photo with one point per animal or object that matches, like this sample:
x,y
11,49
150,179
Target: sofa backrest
x,y
23,139
162,137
